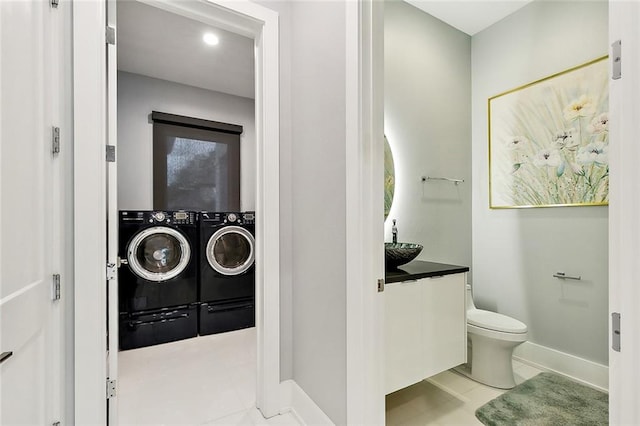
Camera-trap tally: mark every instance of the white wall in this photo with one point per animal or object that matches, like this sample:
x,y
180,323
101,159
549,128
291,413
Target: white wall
x,y
318,203
515,252
312,201
138,96
428,125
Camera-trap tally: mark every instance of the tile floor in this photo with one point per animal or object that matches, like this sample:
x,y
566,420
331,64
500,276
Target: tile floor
x,y
208,380
448,398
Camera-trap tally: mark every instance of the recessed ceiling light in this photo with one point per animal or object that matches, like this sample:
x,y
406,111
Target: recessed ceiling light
x,y
211,39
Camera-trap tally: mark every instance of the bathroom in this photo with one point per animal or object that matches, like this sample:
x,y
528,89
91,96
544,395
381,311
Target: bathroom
x,y
436,91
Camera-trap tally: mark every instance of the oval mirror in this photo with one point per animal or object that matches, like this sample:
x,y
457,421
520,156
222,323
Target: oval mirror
x,y
389,178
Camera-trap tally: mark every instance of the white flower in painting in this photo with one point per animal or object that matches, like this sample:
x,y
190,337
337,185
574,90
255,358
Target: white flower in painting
x,y
595,152
577,169
547,158
578,108
517,142
566,139
599,124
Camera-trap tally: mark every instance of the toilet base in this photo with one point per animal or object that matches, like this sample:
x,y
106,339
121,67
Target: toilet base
x,y
490,362
465,370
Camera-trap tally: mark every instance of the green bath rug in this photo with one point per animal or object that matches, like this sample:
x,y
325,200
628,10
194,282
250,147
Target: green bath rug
x,y
547,399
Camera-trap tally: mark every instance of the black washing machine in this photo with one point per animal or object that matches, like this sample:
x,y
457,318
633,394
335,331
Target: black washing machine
x,y
227,271
158,280
156,326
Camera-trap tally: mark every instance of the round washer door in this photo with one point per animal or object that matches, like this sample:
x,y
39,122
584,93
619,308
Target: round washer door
x,y
230,250
158,253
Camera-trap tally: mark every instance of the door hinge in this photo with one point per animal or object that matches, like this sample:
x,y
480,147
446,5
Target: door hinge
x,y
54,4
112,270
380,285
615,331
111,35
55,289
616,60
111,153
111,388
55,140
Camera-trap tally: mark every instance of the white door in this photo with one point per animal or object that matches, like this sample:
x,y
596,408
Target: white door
x,y
624,213
29,326
112,213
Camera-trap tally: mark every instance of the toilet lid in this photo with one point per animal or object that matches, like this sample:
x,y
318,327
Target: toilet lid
x,y
494,321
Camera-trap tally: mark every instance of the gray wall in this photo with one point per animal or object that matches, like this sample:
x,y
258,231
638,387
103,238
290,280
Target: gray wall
x,y
139,95
428,124
515,252
312,200
318,203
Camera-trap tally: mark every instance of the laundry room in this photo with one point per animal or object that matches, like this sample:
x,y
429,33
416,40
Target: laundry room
x,y
186,141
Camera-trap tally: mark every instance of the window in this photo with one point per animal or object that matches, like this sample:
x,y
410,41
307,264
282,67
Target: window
x,y
196,164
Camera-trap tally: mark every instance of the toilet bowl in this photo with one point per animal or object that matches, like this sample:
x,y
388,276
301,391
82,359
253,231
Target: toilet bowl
x,y
492,337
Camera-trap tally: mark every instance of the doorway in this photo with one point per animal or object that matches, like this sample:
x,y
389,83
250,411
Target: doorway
x,y
186,130
522,290
245,18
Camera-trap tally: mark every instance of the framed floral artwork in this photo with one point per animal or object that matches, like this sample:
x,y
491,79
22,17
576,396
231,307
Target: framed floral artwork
x,y
549,141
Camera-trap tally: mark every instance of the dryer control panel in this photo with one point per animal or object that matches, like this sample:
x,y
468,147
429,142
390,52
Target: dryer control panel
x,y
228,218
249,218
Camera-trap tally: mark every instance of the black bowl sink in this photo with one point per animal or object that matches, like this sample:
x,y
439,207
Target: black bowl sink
x,y
396,254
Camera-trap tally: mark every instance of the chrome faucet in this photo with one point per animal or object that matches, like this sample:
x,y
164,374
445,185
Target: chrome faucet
x,y
394,232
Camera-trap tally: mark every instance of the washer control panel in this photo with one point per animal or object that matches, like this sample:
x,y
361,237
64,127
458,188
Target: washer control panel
x,y
183,218
159,216
179,217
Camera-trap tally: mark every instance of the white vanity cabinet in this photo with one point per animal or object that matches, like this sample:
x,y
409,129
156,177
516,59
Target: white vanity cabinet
x,y
425,328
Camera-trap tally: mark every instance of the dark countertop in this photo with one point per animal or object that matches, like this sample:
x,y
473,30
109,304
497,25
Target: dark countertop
x,y
420,269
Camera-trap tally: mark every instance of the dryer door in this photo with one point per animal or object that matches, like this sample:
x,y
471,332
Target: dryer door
x,y
230,250
158,253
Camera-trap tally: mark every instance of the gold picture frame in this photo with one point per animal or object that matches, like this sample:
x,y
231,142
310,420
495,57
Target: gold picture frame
x,y
549,141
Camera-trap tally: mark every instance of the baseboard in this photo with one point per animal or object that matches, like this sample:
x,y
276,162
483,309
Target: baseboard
x,y
299,404
582,370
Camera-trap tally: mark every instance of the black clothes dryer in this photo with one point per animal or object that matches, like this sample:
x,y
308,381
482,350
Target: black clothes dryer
x,y
227,254
220,317
227,271
160,270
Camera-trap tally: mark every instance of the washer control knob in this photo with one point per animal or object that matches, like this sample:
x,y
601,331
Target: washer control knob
x,y
159,216
231,217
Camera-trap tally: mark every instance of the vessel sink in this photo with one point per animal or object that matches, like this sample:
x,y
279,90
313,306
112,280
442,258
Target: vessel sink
x,y
396,254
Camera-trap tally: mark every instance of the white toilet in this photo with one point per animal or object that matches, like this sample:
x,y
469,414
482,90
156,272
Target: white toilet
x,y
492,338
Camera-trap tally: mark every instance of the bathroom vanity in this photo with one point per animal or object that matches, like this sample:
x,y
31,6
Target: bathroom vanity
x,y
425,322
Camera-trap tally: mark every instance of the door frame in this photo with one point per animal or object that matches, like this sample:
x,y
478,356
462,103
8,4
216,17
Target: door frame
x,y
89,194
365,211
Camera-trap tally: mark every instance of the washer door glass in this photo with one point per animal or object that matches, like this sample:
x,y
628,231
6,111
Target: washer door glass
x,y
158,253
230,250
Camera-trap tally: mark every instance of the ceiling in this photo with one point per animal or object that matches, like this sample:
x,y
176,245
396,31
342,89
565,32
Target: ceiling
x,y
167,46
469,16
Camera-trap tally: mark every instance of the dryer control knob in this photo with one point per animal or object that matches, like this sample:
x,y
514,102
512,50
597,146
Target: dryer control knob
x,y
231,217
159,216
